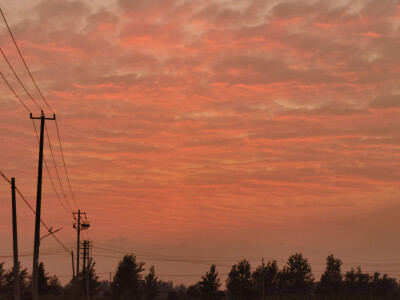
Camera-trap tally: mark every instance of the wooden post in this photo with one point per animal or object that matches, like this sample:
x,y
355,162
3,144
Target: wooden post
x,y
15,241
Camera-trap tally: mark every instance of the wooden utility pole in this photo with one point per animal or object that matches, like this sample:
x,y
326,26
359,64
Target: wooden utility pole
x,y
84,263
38,208
79,225
73,265
78,243
15,241
263,271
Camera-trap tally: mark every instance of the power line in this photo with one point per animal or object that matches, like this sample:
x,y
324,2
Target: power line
x,y
23,60
44,99
210,259
65,165
41,221
19,80
15,93
50,177
48,172
55,167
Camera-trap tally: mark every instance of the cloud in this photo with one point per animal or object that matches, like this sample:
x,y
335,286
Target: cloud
x,y
221,116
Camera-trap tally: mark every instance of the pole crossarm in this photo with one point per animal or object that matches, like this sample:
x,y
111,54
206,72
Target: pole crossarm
x,y
42,116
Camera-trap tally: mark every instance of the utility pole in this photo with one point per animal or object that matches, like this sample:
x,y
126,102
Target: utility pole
x,y
15,241
73,265
87,248
79,226
84,264
38,207
263,271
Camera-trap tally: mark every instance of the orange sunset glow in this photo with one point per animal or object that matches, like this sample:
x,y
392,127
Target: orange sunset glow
x,y
212,129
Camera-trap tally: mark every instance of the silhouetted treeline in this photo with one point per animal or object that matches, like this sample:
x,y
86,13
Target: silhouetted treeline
x,y
294,281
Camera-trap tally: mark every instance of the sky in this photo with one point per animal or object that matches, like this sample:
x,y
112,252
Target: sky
x,y
215,129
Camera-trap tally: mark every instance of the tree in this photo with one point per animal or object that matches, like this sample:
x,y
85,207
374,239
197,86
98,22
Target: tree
x,y
164,287
239,282
296,277
192,292
385,287
2,278
23,280
54,286
357,282
43,279
266,278
332,279
210,284
92,278
151,285
127,278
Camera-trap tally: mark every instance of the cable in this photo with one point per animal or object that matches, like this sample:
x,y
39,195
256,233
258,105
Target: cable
x,y
14,91
55,167
23,60
65,166
41,221
48,172
5,57
41,94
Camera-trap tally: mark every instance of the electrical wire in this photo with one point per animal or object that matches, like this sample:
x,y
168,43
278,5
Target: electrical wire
x,y
65,165
48,173
55,167
23,60
41,94
15,92
41,221
19,80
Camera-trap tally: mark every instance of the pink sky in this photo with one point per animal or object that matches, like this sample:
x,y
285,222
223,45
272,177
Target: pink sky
x,y
236,128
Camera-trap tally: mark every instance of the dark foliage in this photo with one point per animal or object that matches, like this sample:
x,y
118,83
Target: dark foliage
x,y
127,279
210,284
332,279
265,279
151,285
296,277
239,283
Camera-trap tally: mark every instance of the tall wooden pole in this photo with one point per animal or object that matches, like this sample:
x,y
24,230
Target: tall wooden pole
x,y
263,271
37,217
73,265
38,208
15,241
77,244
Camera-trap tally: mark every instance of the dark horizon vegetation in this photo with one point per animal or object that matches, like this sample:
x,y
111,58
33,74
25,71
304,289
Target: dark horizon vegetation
x,y
294,281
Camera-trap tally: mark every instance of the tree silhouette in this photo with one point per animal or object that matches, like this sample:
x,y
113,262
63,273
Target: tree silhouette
x,y
2,278
266,278
332,279
210,284
385,287
239,282
54,286
92,278
8,287
126,281
193,292
43,279
357,282
296,277
151,285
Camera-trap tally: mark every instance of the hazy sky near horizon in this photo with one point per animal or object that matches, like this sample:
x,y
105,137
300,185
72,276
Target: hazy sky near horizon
x,y
238,128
